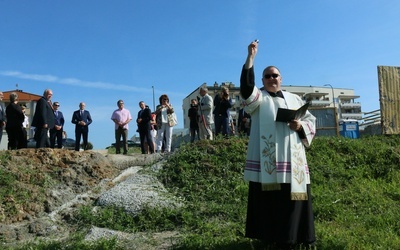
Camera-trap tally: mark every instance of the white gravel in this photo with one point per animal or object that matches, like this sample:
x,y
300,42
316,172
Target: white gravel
x,y
134,191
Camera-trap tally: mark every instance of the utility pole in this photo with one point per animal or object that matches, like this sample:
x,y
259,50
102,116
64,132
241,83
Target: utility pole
x,y
333,97
154,102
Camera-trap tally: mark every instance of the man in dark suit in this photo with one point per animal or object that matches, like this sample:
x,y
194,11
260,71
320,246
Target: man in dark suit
x,y
15,118
2,115
143,121
57,131
43,119
82,119
222,105
244,122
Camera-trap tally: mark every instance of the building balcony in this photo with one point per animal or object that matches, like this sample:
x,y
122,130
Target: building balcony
x,y
318,103
349,105
356,116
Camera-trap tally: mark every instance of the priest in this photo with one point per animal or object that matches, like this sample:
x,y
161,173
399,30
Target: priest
x,y
279,203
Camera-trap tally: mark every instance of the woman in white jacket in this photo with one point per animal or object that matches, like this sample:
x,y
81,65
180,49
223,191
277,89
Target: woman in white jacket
x,y
164,126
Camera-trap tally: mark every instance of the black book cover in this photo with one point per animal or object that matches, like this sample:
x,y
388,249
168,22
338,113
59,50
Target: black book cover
x,y
286,115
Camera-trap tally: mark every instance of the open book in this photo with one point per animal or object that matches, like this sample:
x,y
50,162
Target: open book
x,y
286,115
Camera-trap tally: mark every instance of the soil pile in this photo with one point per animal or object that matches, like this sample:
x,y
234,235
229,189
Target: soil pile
x,y
38,185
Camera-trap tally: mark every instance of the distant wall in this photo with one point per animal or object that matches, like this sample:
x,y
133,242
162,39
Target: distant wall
x,y
326,123
389,98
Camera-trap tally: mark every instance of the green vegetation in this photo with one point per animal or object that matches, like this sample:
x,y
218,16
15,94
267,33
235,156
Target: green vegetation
x,y
89,145
21,186
355,191
131,150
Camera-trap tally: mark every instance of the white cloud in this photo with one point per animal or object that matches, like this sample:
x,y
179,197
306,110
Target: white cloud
x,y
71,81
89,84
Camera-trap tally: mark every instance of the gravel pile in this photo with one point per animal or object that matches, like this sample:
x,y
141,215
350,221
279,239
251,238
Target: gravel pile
x,y
136,192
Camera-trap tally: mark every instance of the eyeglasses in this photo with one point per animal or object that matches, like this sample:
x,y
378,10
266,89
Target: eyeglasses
x,y
267,76
57,105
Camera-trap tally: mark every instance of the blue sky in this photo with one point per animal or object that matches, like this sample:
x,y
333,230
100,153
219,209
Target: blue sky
x,y
101,51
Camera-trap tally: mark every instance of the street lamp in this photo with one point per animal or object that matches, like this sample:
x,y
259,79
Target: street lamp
x,y
333,97
334,108
154,102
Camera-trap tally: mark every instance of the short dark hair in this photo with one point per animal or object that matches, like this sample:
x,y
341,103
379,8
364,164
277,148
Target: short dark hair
x,y
270,67
163,96
13,97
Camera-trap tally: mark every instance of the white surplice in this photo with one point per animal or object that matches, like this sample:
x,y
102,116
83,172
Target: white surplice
x,y
276,154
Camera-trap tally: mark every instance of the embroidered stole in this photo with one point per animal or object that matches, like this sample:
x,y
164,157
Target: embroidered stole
x,y
273,153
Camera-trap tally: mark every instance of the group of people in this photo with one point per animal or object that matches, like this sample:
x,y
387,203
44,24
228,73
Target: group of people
x,y
155,128
48,122
210,117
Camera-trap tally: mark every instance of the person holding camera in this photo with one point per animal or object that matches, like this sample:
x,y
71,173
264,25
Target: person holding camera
x,y
165,128
222,106
194,120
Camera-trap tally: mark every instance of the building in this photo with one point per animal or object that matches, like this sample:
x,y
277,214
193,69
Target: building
x,y
30,101
342,100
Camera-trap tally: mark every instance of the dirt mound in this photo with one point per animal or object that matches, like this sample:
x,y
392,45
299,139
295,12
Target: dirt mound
x,y
35,183
37,173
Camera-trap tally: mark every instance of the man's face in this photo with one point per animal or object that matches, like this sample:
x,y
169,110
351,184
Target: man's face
x,y
82,106
142,105
121,105
272,80
49,95
202,92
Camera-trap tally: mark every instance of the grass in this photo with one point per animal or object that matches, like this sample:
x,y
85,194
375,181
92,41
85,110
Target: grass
x,y
20,186
131,150
355,190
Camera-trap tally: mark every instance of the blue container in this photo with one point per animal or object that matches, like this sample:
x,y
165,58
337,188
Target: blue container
x,y
349,128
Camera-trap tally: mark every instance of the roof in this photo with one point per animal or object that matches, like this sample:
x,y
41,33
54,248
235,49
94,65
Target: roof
x,y
22,96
